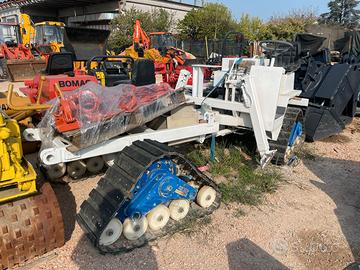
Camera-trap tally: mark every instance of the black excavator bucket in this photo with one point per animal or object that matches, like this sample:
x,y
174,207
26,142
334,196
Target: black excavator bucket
x,y
332,92
85,43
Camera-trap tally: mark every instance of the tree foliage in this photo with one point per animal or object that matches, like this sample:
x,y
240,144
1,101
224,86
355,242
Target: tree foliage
x,y
253,28
213,21
342,12
286,27
122,26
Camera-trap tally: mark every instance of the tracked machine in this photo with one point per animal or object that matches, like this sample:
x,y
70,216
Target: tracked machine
x,y
30,218
149,189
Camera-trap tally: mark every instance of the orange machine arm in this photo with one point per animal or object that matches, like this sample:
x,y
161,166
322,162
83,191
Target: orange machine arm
x,y
140,38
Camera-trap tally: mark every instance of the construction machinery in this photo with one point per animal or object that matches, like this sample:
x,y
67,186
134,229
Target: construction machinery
x,y
169,60
60,73
30,217
332,89
49,34
237,113
59,70
149,189
111,70
17,61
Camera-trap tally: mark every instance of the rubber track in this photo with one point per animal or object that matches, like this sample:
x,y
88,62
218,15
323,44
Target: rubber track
x,y
291,116
114,189
30,227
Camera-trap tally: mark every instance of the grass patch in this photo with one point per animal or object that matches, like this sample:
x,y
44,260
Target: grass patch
x,y
245,184
249,186
227,159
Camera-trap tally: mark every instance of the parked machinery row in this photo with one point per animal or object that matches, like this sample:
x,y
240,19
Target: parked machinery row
x,y
149,189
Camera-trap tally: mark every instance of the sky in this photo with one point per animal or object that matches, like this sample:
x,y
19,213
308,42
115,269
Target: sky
x,y
267,8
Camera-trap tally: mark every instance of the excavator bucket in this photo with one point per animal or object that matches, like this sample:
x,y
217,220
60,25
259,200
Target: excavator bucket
x,y
85,43
333,92
20,70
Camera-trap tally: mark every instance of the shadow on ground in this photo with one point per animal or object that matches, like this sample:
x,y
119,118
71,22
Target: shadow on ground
x,y
87,257
67,204
246,255
341,182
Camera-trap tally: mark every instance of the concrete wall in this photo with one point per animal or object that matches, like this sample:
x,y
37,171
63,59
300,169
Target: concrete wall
x,y
103,13
179,10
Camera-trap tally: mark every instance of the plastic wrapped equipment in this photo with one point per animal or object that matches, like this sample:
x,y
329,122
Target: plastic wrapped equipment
x,y
93,114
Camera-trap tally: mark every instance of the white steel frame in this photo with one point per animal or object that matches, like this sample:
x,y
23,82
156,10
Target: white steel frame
x,y
247,113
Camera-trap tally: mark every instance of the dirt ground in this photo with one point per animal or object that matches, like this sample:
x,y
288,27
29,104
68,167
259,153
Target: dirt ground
x,y
311,222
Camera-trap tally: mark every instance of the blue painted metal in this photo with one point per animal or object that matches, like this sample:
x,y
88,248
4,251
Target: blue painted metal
x,y
158,185
296,131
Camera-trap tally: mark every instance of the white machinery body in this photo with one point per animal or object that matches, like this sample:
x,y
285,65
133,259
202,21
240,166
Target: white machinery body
x,y
256,96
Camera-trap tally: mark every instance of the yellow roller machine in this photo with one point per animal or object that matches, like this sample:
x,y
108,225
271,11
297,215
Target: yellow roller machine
x,y
30,218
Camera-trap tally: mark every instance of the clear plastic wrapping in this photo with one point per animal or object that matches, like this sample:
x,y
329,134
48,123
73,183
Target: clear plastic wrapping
x,y
93,114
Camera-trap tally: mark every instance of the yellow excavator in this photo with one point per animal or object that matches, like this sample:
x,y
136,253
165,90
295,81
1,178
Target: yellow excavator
x,y
46,36
51,34
30,217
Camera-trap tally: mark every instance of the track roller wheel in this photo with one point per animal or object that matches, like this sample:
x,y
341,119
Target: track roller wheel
x,y
76,169
179,209
111,233
30,227
95,164
56,171
158,217
134,229
206,196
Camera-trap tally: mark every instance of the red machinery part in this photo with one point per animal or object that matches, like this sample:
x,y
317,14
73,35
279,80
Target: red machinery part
x,y
88,106
19,52
67,83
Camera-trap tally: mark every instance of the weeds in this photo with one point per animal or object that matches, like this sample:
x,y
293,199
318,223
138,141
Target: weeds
x,y
249,186
245,184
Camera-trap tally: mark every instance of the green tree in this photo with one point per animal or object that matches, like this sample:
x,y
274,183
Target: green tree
x,y
286,27
253,28
122,26
213,21
162,20
342,12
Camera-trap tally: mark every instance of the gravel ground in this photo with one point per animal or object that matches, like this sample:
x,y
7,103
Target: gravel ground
x,y
311,222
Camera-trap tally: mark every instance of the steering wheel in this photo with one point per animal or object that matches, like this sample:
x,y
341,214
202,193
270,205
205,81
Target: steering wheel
x,y
276,47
